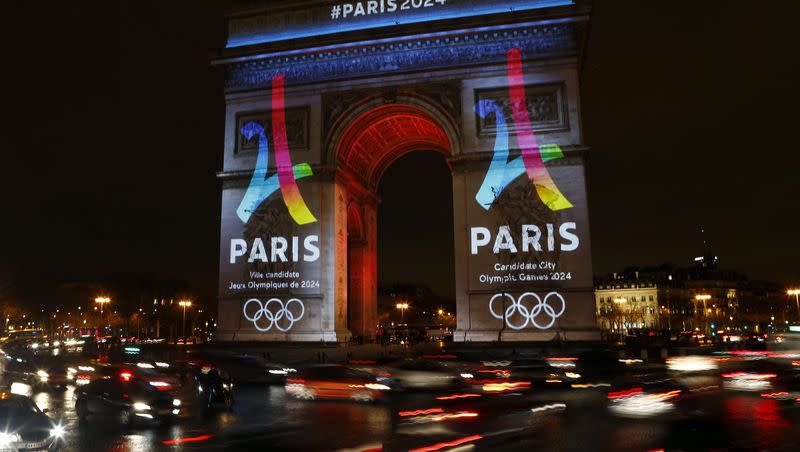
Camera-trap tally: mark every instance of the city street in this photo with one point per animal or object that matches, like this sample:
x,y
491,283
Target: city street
x,y
264,417
400,225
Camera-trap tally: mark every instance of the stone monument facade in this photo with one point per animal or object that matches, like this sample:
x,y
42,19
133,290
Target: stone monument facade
x,y
322,97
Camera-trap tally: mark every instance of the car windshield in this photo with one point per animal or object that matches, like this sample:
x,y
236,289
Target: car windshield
x,y
17,406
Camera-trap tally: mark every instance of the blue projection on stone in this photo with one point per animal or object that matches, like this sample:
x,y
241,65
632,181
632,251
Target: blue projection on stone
x,y
330,19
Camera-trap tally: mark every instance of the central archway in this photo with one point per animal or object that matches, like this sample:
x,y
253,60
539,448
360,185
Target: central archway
x,y
372,136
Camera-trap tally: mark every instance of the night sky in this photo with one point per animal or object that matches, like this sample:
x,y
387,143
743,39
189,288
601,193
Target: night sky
x,y
114,126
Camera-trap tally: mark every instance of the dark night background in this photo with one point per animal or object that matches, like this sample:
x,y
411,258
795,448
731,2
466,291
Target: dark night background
x,y
114,126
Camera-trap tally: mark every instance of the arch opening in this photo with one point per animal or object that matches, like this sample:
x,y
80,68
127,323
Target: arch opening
x,y
416,259
368,145
378,137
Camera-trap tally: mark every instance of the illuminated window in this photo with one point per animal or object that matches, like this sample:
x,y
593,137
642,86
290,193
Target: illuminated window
x,y
651,298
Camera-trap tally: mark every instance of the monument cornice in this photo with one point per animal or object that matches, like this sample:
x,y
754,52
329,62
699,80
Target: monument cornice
x,y
429,52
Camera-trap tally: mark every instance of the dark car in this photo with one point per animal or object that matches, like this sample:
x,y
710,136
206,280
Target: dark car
x,y
38,373
541,372
420,374
23,426
214,388
51,372
20,371
126,398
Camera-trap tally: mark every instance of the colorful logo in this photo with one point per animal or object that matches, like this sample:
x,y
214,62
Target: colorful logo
x,y
501,172
262,185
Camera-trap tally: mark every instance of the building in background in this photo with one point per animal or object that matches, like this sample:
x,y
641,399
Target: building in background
x,y
699,297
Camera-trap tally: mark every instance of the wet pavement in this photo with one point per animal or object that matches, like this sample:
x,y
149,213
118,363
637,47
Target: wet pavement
x,y
264,417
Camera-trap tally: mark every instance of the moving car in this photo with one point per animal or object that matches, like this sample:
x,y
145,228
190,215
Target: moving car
x,y
38,373
538,371
214,388
128,399
23,426
335,382
420,374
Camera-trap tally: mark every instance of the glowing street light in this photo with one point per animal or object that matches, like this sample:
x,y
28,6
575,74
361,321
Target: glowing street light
x,y
620,300
704,298
101,301
796,293
184,304
402,307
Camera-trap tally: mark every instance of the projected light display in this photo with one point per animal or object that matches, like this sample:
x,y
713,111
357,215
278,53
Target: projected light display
x,y
261,186
299,236
518,242
272,251
501,172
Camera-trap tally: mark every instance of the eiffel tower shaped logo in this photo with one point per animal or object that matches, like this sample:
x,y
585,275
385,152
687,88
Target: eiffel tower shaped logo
x,y
501,171
262,184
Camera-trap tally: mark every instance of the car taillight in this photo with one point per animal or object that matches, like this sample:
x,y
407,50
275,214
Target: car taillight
x,y
126,376
623,394
749,376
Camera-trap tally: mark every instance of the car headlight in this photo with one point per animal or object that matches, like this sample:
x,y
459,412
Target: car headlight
x,y
377,386
572,374
42,373
141,406
57,431
9,438
176,402
467,375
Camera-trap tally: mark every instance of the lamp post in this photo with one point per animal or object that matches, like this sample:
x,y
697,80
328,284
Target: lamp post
x,y
101,301
184,304
620,301
704,298
402,307
796,293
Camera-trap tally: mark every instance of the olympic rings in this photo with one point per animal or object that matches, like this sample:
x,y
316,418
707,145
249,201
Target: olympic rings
x,y
273,318
529,314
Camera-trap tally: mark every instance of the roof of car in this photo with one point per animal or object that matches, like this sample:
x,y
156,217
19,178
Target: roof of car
x,y
12,396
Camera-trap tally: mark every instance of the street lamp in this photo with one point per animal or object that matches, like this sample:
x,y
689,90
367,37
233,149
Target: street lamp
x,y
184,304
796,293
704,298
101,301
620,300
402,307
